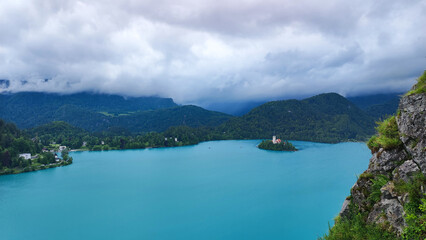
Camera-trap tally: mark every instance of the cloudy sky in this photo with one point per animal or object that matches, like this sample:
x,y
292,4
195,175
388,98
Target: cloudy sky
x,y
200,51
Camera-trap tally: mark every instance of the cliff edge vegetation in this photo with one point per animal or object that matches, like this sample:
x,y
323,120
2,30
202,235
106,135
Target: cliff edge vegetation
x,y
388,201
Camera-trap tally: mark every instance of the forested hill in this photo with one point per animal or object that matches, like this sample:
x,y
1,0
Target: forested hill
x,y
99,112
324,118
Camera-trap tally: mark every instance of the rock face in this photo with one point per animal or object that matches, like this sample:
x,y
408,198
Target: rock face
x,y
388,209
360,192
400,164
406,171
412,127
384,162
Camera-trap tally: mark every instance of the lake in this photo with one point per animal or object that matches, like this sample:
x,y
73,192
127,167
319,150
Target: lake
x,y
213,190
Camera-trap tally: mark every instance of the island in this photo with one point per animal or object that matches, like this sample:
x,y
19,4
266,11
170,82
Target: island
x,y
277,145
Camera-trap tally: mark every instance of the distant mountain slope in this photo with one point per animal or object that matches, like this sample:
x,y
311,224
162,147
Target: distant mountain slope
x,y
29,109
233,108
99,112
378,105
161,120
145,121
325,118
89,101
366,101
56,128
383,110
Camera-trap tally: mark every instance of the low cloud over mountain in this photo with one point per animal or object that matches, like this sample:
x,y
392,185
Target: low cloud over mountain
x,y
202,51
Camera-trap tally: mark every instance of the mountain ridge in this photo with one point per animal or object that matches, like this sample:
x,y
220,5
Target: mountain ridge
x,y
327,117
98,112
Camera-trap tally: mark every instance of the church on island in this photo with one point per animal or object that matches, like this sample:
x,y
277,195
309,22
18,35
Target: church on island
x,y
277,145
275,140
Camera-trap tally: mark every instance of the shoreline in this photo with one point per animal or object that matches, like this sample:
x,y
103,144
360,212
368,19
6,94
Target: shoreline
x,y
12,171
260,139
61,164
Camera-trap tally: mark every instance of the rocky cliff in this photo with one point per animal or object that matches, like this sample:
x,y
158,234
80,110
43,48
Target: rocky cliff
x,y
389,197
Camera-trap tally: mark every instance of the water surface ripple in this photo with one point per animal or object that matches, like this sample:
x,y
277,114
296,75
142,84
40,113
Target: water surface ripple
x,y
214,190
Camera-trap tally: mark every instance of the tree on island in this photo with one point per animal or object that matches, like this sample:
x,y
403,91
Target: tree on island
x,y
282,146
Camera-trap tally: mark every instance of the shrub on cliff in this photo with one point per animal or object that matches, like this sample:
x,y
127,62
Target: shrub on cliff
x,y
355,227
387,136
415,207
420,86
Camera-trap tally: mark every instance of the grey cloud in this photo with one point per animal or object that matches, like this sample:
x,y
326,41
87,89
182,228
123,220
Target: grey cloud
x,y
349,54
212,51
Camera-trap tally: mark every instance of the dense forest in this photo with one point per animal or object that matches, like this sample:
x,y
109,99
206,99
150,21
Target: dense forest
x,y
62,133
100,112
14,142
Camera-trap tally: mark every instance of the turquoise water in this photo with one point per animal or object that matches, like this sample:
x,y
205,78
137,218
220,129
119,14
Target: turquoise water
x,y
214,190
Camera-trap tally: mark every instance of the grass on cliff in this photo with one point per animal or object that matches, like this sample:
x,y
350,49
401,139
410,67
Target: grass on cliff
x,y
387,136
378,182
420,86
416,223
415,207
355,227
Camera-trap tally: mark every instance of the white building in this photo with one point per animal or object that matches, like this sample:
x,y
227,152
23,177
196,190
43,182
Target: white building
x,y
62,148
275,140
26,156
